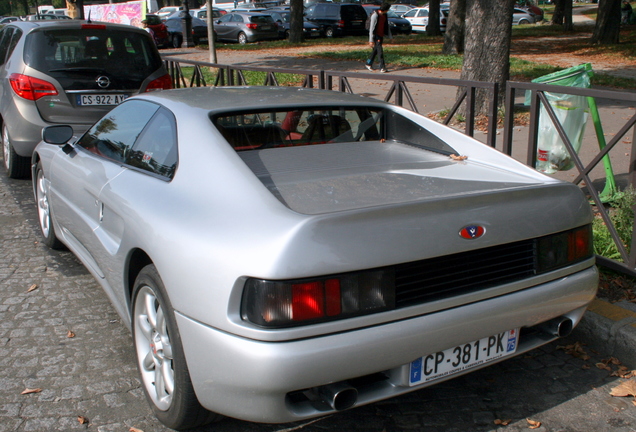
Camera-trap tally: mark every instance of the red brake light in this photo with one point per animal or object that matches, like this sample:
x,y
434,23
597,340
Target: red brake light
x,y
162,83
252,26
341,23
308,301
31,88
94,26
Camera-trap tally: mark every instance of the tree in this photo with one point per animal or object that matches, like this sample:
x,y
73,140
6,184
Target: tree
x,y
432,28
297,9
563,14
608,22
455,28
211,34
487,46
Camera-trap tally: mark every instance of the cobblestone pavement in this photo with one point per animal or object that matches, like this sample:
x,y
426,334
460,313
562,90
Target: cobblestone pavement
x,y
44,295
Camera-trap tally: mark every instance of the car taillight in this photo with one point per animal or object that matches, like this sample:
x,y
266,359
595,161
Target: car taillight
x,y
293,303
251,26
162,83
559,250
341,23
94,26
31,88
443,20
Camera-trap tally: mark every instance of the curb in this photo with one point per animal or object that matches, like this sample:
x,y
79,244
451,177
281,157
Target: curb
x,y
610,329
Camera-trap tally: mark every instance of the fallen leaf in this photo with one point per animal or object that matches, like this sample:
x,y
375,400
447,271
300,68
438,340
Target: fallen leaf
x,y
82,420
503,422
32,288
70,334
603,366
533,424
134,429
627,388
585,366
29,391
458,158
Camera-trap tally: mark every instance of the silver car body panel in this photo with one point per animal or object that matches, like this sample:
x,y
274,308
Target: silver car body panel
x,y
216,223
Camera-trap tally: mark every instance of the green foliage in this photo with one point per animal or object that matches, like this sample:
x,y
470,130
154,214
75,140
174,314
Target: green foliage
x,y
251,77
622,216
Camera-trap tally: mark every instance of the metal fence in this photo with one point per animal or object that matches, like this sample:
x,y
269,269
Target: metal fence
x,y
398,89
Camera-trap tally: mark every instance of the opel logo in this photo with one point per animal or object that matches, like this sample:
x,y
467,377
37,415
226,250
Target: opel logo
x,y
103,81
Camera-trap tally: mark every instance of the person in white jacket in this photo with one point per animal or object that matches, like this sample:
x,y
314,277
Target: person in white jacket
x,y
378,28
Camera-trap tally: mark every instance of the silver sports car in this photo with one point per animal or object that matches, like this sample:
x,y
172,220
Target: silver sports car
x,y
284,253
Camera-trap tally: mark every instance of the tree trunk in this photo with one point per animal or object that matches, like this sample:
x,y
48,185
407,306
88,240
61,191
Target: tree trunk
x,y
567,16
25,5
487,47
432,28
455,28
559,12
296,23
211,38
608,22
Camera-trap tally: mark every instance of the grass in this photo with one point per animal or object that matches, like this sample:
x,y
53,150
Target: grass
x,y
251,77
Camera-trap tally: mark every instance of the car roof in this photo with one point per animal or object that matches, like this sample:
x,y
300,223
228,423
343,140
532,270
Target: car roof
x,y
207,99
71,24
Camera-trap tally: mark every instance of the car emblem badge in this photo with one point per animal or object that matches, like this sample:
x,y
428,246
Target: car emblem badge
x,y
472,232
103,81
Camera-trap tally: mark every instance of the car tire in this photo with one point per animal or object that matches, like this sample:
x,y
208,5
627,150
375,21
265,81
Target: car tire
x,y
329,32
45,218
17,166
523,21
176,41
241,38
160,357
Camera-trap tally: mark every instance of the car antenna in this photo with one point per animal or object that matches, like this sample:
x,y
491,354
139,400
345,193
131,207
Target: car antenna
x,y
89,17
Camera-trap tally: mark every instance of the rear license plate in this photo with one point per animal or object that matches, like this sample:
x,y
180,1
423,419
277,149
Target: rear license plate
x,y
266,27
462,357
101,99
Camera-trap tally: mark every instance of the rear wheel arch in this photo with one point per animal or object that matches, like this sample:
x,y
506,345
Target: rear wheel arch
x,y
137,261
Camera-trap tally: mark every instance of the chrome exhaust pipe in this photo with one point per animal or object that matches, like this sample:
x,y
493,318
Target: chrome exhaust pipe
x,y
560,327
338,396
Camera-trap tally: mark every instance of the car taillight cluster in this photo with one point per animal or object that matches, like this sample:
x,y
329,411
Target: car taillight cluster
x,y
162,83
559,250
291,303
341,23
31,88
251,26
276,304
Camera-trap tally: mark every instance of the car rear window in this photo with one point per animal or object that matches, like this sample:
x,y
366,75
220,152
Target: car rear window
x,y
352,12
264,129
60,50
261,19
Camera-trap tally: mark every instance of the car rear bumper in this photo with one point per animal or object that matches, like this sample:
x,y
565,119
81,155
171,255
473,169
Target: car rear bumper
x,y
262,381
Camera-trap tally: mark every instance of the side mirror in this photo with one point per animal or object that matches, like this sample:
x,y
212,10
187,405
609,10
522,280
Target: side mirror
x,y
58,135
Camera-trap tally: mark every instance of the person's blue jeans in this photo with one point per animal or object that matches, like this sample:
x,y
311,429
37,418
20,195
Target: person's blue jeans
x,y
377,51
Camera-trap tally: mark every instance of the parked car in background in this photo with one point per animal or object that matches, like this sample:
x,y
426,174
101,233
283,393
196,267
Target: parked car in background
x,y
71,72
244,27
388,262
533,9
283,20
338,19
418,17
5,20
401,9
521,16
46,17
398,24
159,30
166,11
201,14
175,31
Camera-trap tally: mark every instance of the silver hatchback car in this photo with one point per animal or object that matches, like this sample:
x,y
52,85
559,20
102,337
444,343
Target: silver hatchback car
x,y
68,72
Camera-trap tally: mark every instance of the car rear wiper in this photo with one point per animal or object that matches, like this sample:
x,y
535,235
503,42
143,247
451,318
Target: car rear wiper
x,y
79,69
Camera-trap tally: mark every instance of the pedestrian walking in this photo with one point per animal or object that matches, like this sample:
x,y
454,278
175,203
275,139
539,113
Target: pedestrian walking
x,y
626,12
378,28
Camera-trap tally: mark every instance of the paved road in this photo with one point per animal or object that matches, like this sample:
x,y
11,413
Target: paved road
x,y
93,373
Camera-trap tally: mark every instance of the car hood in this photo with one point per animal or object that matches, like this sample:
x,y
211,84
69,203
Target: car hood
x,y
336,177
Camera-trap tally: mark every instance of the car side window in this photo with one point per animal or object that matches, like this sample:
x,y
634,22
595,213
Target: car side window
x,y
237,18
5,39
226,18
114,135
17,34
156,148
410,13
